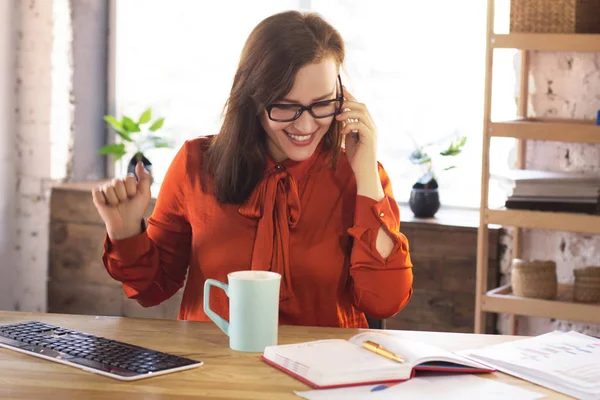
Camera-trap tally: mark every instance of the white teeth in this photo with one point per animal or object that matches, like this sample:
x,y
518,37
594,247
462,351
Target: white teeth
x,y
297,138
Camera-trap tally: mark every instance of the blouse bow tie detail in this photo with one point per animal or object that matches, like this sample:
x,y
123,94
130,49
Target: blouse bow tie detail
x,y
275,203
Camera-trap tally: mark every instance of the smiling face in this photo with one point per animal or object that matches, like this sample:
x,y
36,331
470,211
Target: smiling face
x,y
298,139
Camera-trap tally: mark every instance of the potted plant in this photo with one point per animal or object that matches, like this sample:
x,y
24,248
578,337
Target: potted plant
x,y
137,138
424,197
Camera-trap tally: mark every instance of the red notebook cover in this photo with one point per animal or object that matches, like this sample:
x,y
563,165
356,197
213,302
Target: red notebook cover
x,y
456,369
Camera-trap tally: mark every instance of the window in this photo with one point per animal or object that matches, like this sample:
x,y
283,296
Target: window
x,y
419,66
179,57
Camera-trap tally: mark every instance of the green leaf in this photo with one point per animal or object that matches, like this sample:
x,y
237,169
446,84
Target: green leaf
x,y
124,136
129,125
450,152
455,147
116,125
157,125
145,117
117,150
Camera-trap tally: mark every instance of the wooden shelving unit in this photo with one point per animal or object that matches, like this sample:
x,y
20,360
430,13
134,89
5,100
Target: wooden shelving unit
x,y
552,130
546,41
557,221
502,300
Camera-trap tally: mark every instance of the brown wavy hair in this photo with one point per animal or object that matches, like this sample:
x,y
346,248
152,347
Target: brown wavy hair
x,y
275,50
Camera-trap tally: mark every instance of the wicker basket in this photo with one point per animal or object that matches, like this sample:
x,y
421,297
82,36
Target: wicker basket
x,y
555,16
586,288
534,279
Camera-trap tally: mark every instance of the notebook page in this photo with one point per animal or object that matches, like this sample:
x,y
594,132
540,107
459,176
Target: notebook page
x,y
571,359
413,352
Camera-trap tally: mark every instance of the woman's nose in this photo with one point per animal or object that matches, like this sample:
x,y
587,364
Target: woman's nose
x,y
306,123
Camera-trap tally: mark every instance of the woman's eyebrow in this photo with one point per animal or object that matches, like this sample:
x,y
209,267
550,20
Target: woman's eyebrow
x,y
313,100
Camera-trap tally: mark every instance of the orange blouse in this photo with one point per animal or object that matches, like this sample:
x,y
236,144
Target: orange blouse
x,y
304,220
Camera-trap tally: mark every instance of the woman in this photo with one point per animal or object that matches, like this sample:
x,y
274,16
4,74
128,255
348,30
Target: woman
x,y
272,190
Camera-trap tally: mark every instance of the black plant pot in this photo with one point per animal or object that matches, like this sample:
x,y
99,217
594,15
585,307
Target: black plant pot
x,y
133,162
424,200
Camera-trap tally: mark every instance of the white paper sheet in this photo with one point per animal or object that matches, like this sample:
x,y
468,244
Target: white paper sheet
x,y
447,387
569,358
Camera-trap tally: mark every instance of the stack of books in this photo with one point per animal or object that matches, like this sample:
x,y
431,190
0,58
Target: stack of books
x,y
551,191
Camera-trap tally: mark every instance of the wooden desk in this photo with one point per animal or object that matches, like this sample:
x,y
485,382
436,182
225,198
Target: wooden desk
x,y
226,374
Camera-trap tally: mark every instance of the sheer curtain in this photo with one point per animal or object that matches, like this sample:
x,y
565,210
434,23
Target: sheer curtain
x,y
418,65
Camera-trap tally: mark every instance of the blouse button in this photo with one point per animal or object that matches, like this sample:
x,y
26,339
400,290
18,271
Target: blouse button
x,y
381,215
278,166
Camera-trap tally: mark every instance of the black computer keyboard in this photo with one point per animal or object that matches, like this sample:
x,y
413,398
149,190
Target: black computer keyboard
x,y
89,352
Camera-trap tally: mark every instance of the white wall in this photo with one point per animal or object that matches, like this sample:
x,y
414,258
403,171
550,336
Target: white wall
x,y
33,114
30,147
36,131
563,85
567,85
7,153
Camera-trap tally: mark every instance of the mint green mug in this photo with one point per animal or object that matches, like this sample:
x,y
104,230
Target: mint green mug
x,y
253,309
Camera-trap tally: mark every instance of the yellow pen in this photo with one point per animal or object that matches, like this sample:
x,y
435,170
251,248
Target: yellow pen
x,y
378,349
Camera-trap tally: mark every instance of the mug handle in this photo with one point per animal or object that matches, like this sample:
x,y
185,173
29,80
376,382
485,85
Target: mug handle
x,y
221,323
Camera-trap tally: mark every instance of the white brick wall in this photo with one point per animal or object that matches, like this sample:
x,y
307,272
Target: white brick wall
x,y
7,153
40,103
34,70
565,85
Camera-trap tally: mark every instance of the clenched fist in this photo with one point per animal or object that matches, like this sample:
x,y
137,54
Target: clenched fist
x,y
122,203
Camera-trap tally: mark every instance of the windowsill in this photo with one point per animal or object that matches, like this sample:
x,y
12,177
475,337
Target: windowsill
x,y
446,216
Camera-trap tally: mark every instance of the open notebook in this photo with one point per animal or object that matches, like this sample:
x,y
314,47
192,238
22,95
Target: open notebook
x,y
336,362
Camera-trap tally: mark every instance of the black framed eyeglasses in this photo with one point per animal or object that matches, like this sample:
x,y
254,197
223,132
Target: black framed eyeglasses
x,y
319,109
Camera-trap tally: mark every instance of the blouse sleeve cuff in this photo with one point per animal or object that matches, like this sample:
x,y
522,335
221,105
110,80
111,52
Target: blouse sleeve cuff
x,y
372,214
129,250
